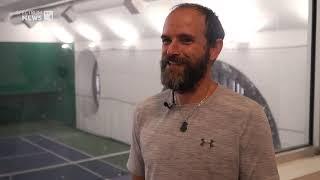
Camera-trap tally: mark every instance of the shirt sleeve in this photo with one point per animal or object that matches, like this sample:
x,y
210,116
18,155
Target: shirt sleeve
x,y
135,162
257,157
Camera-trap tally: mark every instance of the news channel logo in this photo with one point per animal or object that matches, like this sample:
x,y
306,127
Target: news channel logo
x,y
36,15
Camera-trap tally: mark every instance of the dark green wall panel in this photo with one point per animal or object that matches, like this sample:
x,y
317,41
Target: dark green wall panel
x,y
36,82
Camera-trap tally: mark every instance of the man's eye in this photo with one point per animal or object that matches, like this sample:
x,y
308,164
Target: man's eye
x,y
186,40
166,41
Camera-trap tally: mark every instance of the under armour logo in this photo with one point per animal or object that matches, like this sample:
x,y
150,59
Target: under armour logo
x,y
210,142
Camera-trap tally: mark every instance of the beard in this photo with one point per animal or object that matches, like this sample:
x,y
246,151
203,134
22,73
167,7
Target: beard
x,y
186,79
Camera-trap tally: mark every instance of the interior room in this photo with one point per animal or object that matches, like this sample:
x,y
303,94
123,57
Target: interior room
x,y
73,71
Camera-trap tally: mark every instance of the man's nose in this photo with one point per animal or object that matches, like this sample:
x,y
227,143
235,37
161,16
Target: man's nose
x,y
173,49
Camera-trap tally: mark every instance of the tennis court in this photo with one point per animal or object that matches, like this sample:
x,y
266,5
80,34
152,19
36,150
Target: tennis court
x,y
60,152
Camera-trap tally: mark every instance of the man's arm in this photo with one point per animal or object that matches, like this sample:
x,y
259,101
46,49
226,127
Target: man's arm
x,y
134,177
135,162
257,157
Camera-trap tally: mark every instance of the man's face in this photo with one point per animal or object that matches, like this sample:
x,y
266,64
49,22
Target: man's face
x,y
185,54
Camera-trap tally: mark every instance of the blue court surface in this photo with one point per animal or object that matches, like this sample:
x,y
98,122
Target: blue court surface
x,y
37,157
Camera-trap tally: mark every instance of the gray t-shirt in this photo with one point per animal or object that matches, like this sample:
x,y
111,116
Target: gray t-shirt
x,y
228,138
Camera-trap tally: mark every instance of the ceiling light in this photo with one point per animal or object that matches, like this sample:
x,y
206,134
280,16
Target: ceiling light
x,y
92,44
128,43
88,32
60,33
123,29
66,46
241,19
156,16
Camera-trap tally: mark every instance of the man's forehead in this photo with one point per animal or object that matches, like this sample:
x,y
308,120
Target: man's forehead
x,y
186,18
185,12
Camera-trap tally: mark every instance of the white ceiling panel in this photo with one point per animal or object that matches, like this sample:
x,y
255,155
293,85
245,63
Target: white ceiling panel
x,y
275,14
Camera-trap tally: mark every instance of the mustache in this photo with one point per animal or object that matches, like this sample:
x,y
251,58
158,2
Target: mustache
x,y
165,60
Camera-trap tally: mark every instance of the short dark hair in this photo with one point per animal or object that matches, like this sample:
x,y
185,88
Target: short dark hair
x,y
214,29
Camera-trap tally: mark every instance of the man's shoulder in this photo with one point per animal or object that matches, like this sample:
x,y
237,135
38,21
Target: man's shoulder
x,y
235,101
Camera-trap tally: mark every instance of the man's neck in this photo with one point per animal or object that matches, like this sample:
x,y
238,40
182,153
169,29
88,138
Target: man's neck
x,y
203,89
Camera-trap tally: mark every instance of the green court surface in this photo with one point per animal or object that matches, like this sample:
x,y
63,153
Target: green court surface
x,y
83,141
119,161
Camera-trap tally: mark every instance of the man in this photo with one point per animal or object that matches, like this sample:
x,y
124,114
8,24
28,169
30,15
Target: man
x,y
197,129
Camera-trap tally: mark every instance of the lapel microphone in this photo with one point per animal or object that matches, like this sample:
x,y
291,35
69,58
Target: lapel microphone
x,y
170,106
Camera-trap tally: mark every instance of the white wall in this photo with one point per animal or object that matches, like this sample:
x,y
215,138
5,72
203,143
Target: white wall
x,y
278,68
276,62
282,78
21,33
127,77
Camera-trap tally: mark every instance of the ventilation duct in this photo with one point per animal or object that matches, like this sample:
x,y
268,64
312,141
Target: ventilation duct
x,y
134,6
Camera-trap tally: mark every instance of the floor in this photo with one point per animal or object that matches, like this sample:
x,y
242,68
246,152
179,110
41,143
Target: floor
x,y
50,150
301,169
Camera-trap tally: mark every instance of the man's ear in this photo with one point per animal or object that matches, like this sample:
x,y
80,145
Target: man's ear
x,y
215,51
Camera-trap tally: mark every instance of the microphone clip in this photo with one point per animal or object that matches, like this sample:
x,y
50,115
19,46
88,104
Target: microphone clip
x,y
166,104
170,106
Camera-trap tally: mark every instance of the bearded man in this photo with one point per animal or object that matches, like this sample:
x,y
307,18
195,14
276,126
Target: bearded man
x,y
197,129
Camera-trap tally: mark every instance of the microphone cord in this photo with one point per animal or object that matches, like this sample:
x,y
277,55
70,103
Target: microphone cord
x,y
173,98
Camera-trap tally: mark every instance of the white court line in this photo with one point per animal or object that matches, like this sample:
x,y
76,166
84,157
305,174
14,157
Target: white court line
x,y
98,175
8,137
19,135
80,151
113,165
64,164
17,156
68,161
65,145
22,155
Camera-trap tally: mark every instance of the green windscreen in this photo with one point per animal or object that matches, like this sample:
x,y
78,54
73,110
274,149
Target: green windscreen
x,y
36,82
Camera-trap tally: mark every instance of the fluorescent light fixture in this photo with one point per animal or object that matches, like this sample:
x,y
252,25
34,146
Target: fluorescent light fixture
x,y
92,44
156,16
128,43
66,46
60,33
241,19
41,33
123,29
88,32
